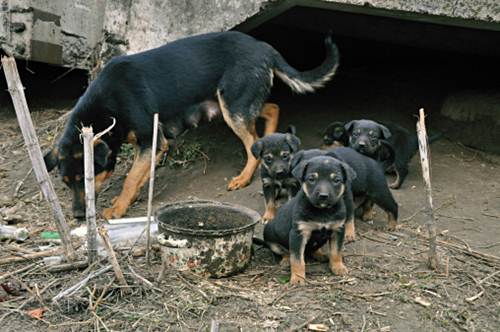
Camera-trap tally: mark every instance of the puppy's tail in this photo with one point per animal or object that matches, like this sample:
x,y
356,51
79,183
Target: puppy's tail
x,y
308,81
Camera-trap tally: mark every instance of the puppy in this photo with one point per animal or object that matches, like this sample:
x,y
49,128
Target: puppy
x,y
315,216
368,187
365,136
335,135
276,152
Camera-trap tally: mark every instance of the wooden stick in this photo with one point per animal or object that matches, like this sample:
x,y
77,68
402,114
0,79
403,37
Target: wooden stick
x,y
151,185
73,289
425,163
112,256
88,161
22,258
16,90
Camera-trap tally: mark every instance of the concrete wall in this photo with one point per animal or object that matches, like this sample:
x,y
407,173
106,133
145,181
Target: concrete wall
x,y
77,33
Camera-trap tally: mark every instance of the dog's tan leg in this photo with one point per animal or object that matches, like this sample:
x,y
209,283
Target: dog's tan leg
x,y
135,180
350,232
248,135
336,264
270,211
270,113
391,222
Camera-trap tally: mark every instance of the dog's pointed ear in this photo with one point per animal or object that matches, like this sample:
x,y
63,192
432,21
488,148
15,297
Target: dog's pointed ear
x,y
385,131
349,173
291,130
51,158
348,126
101,153
293,141
300,169
257,148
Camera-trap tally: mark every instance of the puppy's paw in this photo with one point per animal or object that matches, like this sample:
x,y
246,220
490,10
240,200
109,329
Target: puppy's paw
x,y
391,226
350,233
268,215
107,213
339,269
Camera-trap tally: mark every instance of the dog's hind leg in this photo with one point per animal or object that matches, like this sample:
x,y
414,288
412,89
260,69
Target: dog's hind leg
x,y
386,201
270,113
245,130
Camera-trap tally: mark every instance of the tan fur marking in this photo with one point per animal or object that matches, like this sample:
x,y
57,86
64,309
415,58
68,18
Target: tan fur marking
x,y
78,155
350,232
248,136
298,271
391,222
336,264
131,137
270,113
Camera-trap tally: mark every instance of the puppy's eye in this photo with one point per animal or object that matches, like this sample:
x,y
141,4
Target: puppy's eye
x,y
268,159
336,179
285,155
311,179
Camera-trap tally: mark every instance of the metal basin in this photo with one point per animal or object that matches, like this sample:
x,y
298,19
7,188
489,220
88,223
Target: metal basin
x,y
209,238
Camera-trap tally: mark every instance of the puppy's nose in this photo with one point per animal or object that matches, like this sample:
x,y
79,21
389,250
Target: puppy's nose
x,y
323,196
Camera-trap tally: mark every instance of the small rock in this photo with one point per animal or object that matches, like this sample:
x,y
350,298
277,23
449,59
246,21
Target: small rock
x,y
6,200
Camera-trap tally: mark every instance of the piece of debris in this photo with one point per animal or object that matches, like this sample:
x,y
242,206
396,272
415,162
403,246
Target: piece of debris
x,y
422,301
37,313
317,327
13,233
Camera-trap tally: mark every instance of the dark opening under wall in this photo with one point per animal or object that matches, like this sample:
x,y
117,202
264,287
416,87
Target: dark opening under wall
x,y
389,69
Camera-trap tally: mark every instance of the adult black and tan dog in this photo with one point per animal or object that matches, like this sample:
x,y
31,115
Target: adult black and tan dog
x,y
315,217
198,77
275,152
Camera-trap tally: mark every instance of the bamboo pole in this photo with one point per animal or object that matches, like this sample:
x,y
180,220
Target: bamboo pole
x,y
151,185
16,90
90,215
425,163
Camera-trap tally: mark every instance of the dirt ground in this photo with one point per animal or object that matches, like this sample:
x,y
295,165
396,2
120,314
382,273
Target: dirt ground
x,y
389,287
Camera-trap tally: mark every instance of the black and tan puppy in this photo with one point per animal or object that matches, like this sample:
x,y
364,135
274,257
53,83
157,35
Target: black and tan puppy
x,y
368,187
335,135
365,136
276,152
315,216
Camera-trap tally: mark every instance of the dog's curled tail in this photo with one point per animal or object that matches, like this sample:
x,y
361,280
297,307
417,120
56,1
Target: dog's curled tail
x,y
308,81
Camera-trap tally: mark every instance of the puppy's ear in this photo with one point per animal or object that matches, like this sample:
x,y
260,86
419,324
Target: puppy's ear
x,y
349,173
101,153
51,158
291,130
300,170
348,126
293,141
257,148
385,131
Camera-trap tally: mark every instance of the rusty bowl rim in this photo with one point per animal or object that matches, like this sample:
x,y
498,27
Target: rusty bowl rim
x,y
162,226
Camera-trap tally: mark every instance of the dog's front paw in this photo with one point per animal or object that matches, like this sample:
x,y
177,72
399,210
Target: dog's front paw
x,y
238,183
391,226
350,233
113,213
339,269
295,279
